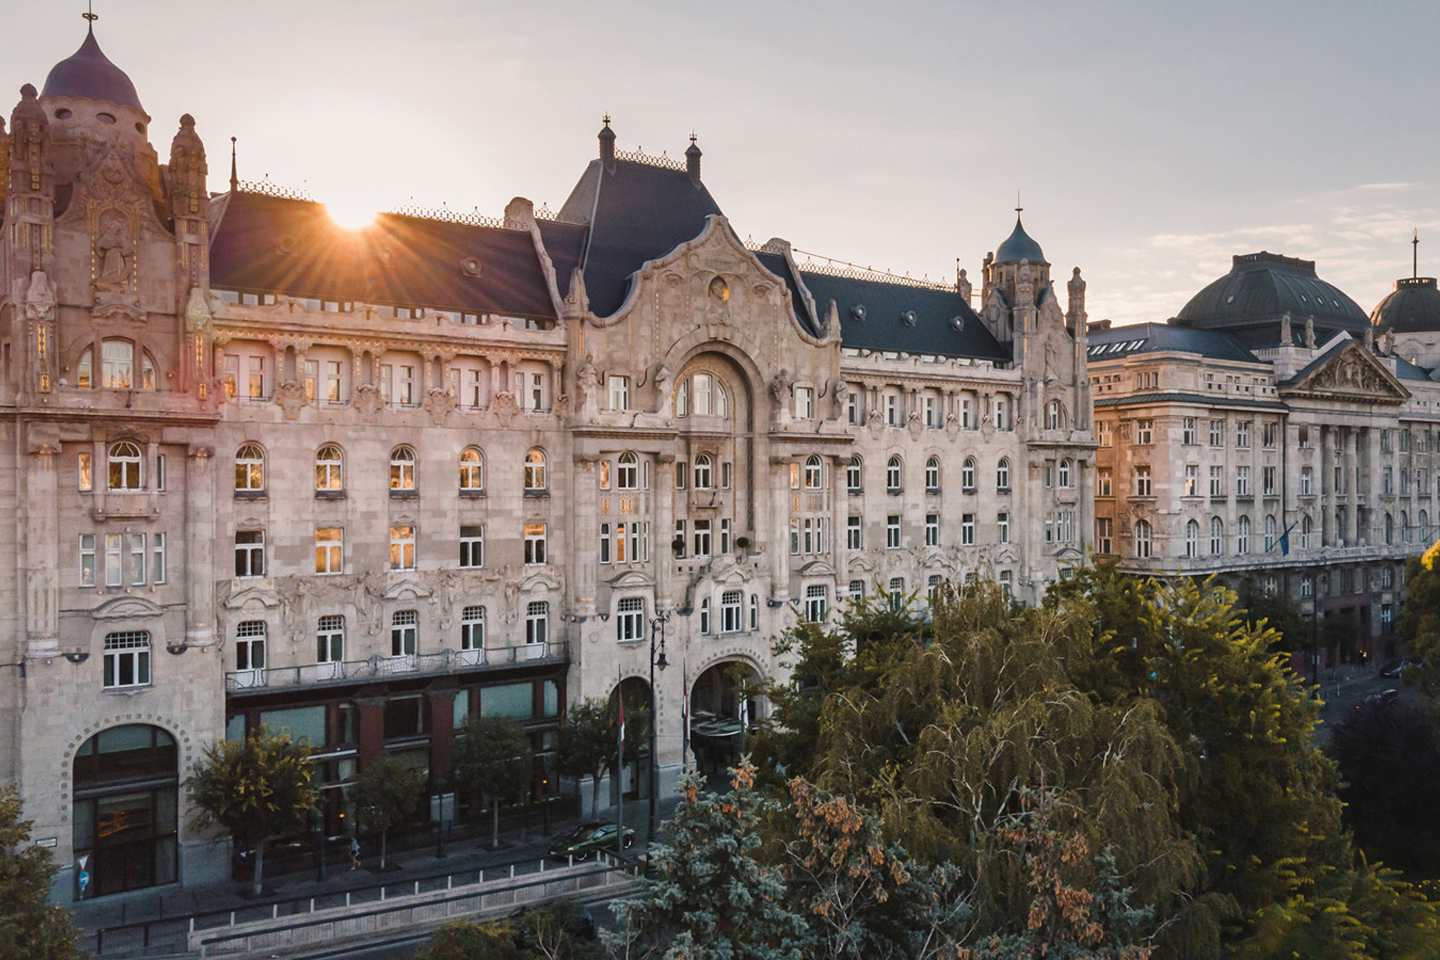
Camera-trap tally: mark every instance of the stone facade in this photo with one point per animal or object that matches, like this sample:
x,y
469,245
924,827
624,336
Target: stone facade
x,y
360,485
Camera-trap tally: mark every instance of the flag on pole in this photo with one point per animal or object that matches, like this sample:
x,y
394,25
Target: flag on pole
x,y
685,714
744,712
622,723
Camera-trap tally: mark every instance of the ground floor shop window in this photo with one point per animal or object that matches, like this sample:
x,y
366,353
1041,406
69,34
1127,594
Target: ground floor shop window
x,y
125,810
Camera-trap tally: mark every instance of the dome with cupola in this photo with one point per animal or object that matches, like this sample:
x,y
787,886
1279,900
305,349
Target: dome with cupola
x,y
1019,246
89,75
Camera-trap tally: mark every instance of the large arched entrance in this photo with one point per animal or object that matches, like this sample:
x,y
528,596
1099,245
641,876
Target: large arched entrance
x,y
724,701
634,777
126,786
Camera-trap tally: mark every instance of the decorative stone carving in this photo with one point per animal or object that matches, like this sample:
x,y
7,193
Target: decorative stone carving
x,y
439,403
367,401
587,381
1310,332
505,407
1287,339
290,396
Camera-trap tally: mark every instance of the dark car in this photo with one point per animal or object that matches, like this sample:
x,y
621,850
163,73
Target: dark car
x,y
587,838
1394,669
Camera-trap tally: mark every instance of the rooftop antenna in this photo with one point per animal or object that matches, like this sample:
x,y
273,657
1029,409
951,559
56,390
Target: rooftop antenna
x,y
90,13
234,180
1415,254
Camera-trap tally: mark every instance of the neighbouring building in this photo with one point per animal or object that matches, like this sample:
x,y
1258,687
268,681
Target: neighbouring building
x,y
1269,435
362,484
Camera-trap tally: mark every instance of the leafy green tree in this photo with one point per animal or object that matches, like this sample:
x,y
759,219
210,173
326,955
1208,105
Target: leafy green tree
x,y
1419,626
257,790
386,794
493,755
459,940
558,930
587,744
30,928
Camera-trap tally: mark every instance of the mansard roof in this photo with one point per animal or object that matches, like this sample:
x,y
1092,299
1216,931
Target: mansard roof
x,y
1160,337
281,245
635,212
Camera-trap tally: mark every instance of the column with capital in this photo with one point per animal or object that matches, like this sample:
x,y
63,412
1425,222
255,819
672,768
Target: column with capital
x,y
585,524
664,514
199,546
1352,484
1325,484
41,520
839,521
779,529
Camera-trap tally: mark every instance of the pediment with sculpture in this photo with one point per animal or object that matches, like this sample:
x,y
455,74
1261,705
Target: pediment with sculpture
x,y
1353,374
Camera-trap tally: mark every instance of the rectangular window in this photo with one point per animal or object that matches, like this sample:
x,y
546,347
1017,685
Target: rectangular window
x,y
137,559
1143,431
804,403
230,367
405,393
967,529
931,410
619,393
127,659
472,628
404,633
816,599
537,622
1142,481
1188,431
702,538
1104,534
1242,481
332,381
472,545
249,553
402,548
1242,435
1268,431
1002,528
730,614
330,640
157,557
114,573
387,379
1103,482
604,543
725,475
534,544
853,408
329,550
1192,480
630,620
1217,433
87,560
892,532
680,471
724,535
257,378
1303,433
853,532
312,379
932,529
1217,481
1104,434
1307,481
1267,479
87,472
160,472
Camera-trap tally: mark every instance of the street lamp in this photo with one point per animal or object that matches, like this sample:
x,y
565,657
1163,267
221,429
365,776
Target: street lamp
x,y
657,627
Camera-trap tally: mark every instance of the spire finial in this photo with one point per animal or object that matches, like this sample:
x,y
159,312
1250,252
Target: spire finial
x,y
90,13
607,119
234,179
1018,208
692,136
1415,254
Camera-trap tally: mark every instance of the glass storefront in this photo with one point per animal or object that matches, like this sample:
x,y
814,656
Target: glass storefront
x,y
126,794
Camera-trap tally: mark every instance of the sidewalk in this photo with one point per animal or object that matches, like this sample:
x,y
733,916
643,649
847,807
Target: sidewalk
x,y
174,904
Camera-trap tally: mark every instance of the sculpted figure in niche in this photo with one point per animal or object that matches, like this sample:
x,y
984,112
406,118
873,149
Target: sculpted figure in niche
x,y
780,387
115,253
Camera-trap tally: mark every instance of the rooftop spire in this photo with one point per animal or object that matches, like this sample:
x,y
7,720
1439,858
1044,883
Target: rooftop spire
x,y
90,13
234,179
1415,254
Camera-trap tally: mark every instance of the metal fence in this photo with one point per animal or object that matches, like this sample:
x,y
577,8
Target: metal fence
x,y
423,664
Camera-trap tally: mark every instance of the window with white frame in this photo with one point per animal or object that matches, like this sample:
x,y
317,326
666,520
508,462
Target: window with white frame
x,y
1217,433
1267,481
250,645
534,544
630,619
137,560
249,553
1242,481
1217,481
930,411
619,392
853,537
1104,484
88,559
329,550
897,592
705,615
1142,539
814,473
704,472
1002,527
1306,527
1064,472
404,633
329,469
1002,475
730,613
1142,481
703,395
816,600
754,612
627,471
330,639
114,561
402,471
127,659
1052,415
472,545
1104,433
472,470
1242,535
1307,482
534,471
1242,435
857,589
891,402
1269,533
1192,480
1187,431
854,407
1143,431
124,466
804,402
892,474
853,475
402,547
1002,414
932,529
892,532
967,530
1269,429
472,627
702,538
250,469
932,475
1217,536
967,474
1104,535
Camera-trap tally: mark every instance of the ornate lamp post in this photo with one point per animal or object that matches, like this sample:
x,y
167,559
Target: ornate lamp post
x,y
657,629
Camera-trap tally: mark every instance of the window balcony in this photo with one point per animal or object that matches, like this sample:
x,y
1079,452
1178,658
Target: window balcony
x,y
335,673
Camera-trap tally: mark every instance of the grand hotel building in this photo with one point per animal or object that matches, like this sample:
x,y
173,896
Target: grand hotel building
x,y
363,484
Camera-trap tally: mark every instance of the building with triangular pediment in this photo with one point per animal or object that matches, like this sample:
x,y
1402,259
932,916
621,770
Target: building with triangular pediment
x,y
1266,435
362,484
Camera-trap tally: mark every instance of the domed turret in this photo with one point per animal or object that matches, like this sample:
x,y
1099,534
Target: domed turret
x,y
1019,246
1250,301
89,75
1412,307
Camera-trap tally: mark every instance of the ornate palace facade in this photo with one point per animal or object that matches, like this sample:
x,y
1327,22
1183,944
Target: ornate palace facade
x,y
363,484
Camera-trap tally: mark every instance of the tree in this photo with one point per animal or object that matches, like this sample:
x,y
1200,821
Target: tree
x,y
459,940
1419,626
30,928
587,744
492,755
386,794
257,790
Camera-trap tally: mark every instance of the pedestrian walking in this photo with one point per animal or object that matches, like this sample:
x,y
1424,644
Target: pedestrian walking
x,y
354,853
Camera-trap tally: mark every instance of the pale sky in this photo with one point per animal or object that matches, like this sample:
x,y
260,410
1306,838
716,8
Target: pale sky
x,y
1150,140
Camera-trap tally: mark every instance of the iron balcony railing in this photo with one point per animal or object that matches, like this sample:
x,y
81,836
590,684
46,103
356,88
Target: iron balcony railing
x,y
265,679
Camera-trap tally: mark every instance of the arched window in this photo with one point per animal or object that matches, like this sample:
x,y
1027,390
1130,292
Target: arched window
x,y
249,469
703,395
402,470
125,473
472,628
1305,529
85,370
1217,536
1269,533
1064,473
814,473
932,474
854,471
1389,529
892,474
535,470
704,472
1142,539
967,474
1053,417
1424,525
329,468
117,364
472,470
1242,535
125,810
627,472
1192,540
1404,527
1002,474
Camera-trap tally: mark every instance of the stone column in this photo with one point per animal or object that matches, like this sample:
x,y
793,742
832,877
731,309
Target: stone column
x,y
41,518
1325,486
585,523
664,531
839,519
1352,484
442,725
199,547
779,526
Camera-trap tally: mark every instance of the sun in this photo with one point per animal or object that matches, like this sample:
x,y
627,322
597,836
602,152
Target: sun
x,y
350,215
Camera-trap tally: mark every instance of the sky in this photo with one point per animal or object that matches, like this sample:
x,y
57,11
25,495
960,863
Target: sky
x,y
1148,140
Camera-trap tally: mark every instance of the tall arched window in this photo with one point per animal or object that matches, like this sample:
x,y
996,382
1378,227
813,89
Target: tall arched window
x,y
472,470
932,474
125,809
402,470
1269,533
1053,417
1404,527
1217,536
814,473
249,469
1142,539
967,474
1242,535
704,472
124,461
892,474
702,395
1002,474
1064,473
854,475
535,470
1305,529
1389,529
1192,540
627,471
329,469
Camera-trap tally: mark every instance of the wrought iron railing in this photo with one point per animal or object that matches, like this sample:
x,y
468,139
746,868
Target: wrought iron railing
x,y
421,664
270,188
474,218
662,161
819,263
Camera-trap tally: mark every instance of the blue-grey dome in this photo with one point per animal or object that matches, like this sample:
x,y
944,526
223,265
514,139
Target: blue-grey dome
x,y
1413,307
1249,301
89,75
1019,246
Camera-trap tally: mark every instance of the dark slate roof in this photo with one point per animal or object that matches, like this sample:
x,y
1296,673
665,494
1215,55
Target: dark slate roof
x,y
884,307
636,212
1412,307
89,75
274,245
1141,399
565,242
1019,246
778,265
1405,370
1259,289
1158,337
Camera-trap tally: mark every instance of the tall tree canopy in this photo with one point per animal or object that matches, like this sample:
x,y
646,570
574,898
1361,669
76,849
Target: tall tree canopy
x,y
30,927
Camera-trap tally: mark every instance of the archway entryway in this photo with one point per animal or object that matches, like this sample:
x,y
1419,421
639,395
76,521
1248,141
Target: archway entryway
x,y
126,809
724,701
634,777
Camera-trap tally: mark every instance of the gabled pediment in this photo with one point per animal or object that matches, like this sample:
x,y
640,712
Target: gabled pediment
x,y
1350,373
817,568
126,608
631,580
407,589
264,596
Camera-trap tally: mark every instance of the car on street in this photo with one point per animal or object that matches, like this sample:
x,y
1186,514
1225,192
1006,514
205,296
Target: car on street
x,y
1394,669
587,838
